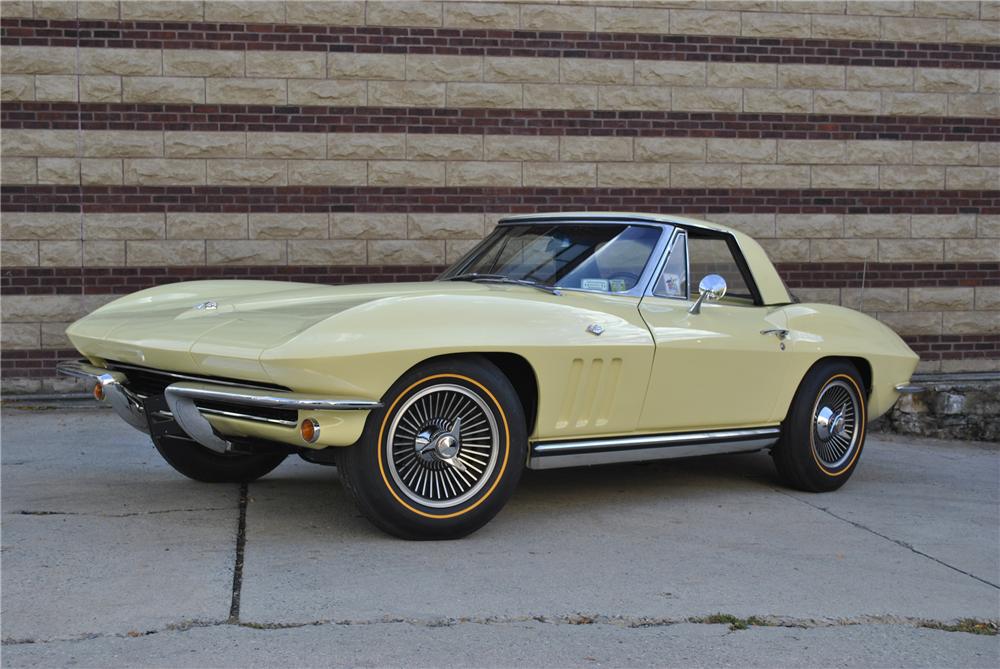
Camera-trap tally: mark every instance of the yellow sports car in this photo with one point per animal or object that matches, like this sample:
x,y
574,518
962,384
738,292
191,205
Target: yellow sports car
x,y
560,340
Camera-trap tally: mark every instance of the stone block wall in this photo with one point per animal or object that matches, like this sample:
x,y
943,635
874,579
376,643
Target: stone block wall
x,y
949,408
149,142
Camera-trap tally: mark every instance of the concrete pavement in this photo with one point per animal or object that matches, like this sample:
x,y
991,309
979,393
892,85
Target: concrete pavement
x,y
112,559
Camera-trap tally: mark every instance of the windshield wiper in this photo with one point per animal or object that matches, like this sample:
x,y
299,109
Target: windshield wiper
x,y
500,278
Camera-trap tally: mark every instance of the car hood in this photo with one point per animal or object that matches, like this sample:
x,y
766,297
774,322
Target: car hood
x,y
222,327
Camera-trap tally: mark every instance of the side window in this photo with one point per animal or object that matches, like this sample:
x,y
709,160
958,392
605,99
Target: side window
x,y
673,280
712,255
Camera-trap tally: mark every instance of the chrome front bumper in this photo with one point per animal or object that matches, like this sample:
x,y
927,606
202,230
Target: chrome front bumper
x,y
122,400
181,397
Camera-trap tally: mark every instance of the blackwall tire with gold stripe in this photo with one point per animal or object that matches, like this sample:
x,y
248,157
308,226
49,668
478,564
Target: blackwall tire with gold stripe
x,y
443,455
824,433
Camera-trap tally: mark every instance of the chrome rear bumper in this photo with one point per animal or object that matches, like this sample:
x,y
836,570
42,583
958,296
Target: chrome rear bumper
x,y
909,388
181,397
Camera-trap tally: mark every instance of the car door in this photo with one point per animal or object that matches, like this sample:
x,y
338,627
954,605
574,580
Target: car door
x,y
714,369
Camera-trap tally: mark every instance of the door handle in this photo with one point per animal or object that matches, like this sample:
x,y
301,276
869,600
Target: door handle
x,y
781,332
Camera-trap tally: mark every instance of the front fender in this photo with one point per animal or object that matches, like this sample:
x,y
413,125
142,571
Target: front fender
x,y
586,383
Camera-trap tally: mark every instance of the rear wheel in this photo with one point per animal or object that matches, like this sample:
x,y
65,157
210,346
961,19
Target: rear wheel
x,y
444,454
201,464
824,433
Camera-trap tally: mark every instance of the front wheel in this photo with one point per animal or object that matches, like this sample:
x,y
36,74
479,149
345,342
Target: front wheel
x,y
443,456
824,433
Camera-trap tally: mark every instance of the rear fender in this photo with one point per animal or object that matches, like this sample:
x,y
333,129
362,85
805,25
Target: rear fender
x,y
821,331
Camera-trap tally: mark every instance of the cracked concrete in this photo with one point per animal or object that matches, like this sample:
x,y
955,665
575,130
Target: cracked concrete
x,y
625,622
895,541
111,559
522,644
25,512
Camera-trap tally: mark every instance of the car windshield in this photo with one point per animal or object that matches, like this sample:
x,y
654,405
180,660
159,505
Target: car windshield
x,y
601,257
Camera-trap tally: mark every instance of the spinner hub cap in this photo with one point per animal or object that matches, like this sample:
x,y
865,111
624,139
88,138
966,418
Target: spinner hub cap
x,y
836,416
442,445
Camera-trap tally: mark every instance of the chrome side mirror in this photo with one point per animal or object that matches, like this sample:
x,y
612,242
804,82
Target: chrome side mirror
x,y
712,288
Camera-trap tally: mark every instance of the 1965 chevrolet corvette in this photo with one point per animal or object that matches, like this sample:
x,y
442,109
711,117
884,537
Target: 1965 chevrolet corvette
x,y
560,340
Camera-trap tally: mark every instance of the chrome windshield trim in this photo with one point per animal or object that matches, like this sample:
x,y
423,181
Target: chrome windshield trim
x,y
270,399
638,290
589,218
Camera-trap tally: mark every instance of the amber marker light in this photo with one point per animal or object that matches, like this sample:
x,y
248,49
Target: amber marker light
x,y
98,391
309,430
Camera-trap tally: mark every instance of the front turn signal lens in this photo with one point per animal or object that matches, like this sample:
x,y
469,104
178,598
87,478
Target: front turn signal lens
x,y
98,391
309,430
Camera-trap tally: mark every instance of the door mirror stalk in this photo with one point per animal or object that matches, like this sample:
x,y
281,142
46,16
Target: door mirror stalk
x,y
712,288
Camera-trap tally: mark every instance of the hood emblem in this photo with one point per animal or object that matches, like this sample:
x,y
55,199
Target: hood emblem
x,y
595,329
206,306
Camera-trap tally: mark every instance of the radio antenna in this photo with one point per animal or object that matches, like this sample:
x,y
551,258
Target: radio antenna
x,y
861,294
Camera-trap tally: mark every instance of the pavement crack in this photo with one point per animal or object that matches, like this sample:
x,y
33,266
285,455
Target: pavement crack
x,y
964,625
241,540
131,514
898,542
182,626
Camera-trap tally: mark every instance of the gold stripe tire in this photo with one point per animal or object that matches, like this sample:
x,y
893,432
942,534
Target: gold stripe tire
x,y
402,474
824,433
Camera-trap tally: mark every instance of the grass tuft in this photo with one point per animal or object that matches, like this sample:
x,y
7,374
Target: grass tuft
x,y
728,619
967,625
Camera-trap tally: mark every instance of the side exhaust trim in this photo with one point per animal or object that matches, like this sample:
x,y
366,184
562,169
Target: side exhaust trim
x,y
553,455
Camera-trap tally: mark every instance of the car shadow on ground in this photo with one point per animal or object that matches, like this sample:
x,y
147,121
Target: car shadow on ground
x,y
315,496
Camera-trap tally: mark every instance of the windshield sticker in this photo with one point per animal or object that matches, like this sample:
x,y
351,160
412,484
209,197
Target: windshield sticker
x,y
618,285
594,284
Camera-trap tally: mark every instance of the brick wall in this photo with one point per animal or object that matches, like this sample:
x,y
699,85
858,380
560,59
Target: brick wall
x,y
339,142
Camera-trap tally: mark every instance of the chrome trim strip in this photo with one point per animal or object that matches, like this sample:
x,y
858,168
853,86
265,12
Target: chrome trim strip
x,y
189,377
272,399
239,416
125,403
656,440
909,388
84,370
243,416
645,454
662,262
181,399
554,455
